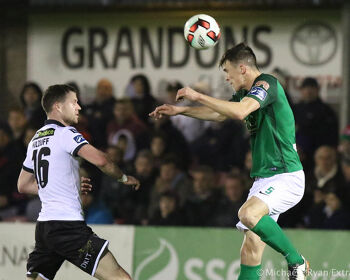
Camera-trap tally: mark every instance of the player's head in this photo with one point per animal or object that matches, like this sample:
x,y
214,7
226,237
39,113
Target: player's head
x,y
61,102
238,62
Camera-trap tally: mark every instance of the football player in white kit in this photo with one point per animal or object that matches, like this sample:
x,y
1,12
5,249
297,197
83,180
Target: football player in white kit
x,y
51,170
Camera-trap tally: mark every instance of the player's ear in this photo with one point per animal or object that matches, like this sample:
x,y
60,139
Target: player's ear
x,y
243,68
57,106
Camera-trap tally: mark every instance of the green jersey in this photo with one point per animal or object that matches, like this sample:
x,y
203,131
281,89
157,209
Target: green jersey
x,y
272,129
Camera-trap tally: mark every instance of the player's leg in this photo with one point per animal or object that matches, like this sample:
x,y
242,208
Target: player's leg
x,y
254,215
109,269
251,253
42,263
83,248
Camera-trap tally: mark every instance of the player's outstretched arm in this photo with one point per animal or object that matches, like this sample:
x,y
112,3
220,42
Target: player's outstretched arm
x,y
100,159
202,112
233,110
26,183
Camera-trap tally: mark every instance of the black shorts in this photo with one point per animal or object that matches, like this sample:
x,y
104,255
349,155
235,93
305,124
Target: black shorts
x,y
57,241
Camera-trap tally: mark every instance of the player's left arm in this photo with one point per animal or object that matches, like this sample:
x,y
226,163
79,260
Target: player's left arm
x,y
27,183
233,110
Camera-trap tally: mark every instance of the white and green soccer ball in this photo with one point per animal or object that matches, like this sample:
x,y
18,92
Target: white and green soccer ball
x,y
202,32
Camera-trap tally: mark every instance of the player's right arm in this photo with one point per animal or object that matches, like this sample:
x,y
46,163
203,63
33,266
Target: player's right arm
x,y
26,183
100,159
201,112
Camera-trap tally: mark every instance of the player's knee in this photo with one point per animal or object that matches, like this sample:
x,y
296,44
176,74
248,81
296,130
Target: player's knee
x,y
247,216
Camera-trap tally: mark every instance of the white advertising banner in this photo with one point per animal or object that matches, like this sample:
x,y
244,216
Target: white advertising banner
x,y
17,241
86,48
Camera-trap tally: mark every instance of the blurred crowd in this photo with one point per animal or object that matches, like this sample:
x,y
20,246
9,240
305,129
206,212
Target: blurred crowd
x,y
192,172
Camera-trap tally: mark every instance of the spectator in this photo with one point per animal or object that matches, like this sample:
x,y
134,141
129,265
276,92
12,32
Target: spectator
x,y
316,122
30,97
28,135
168,213
234,197
146,173
176,142
100,112
170,178
139,91
95,211
10,166
159,147
337,217
125,141
326,174
127,206
17,122
201,209
329,214
126,120
219,148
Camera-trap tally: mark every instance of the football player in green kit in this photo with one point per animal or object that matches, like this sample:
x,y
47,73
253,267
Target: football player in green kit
x,y
279,179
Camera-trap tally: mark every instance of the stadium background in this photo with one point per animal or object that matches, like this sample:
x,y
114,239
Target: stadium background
x,y
84,41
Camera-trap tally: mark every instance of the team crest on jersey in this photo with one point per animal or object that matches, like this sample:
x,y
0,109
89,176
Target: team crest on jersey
x,y
258,92
79,138
264,84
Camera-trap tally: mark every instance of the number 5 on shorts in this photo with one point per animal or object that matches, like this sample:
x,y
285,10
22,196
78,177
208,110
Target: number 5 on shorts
x,y
269,190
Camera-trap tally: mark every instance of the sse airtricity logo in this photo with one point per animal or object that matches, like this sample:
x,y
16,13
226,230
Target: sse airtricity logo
x,y
258,92
169,272
79,138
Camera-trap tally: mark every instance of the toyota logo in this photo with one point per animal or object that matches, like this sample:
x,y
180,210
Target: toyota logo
x,y
314,43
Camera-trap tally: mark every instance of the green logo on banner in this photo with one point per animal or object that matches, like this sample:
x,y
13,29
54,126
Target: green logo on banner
x,y
213,254
171,269
174,254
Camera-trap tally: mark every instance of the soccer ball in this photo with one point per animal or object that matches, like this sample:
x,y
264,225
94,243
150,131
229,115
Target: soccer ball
x,y
202,32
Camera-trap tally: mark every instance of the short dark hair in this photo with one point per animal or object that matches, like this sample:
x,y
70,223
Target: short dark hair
x,y
239,53
309,82
33,86
53,94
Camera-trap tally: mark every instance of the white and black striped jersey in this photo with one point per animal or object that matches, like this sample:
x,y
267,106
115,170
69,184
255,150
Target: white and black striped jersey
x,y
51,156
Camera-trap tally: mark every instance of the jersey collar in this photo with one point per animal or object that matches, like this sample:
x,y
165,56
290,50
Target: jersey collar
x,y
54,122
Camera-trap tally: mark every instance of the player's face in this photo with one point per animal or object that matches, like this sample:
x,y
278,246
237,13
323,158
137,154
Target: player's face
x,y
233,75
70,109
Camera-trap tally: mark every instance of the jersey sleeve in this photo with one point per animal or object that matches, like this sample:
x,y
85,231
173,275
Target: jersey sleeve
x,y
264,91
28,164
72,140
237,97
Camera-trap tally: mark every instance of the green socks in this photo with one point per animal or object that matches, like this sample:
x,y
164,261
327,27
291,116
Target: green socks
x,y
271,233
249,272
